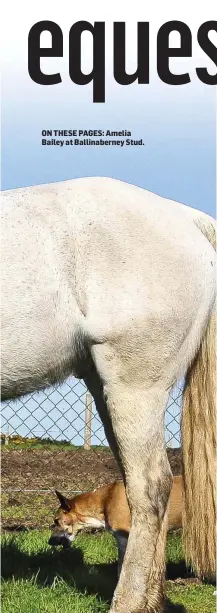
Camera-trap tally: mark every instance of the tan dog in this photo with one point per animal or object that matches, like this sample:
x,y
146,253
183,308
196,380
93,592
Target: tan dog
x,y
107,507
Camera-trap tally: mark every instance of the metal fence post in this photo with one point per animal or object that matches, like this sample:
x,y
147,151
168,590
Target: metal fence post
x,y
88,421
7,435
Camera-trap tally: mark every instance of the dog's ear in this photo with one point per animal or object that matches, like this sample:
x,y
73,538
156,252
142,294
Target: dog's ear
x,y
64,502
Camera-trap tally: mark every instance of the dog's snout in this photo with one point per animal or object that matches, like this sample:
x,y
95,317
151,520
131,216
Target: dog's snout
x,y
59,539
52,526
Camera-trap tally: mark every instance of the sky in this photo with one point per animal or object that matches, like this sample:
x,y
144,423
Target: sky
x,y
178,129
177,125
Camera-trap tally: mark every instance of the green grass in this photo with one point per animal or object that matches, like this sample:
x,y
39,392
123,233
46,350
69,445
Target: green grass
x,y
18,442
29,508
174,551
38,579
194,598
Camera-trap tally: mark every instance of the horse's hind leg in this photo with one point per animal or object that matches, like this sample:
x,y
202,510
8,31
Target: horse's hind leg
x,y
136,412
140,432
95,387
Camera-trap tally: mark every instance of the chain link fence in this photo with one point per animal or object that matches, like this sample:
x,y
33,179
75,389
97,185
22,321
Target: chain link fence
x,y
67,413
54,439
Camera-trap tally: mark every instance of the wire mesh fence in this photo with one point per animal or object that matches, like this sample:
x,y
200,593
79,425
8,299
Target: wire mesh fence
x,y
55,439
68,413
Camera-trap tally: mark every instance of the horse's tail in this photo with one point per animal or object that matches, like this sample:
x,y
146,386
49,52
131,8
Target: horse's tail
x,y
199,444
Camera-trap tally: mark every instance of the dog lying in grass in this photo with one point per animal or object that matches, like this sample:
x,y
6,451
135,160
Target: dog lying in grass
x,y
106,507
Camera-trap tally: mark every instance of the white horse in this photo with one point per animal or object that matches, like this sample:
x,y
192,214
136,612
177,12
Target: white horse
x,y
116,285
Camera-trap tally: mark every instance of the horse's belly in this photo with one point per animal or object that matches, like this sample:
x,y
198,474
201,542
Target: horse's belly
x,y
39,345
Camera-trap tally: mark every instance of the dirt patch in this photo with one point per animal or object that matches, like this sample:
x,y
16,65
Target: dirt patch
x,y
35,470
67,470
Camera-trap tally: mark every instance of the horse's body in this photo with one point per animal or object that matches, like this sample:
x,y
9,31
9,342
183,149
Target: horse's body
x,y
116,285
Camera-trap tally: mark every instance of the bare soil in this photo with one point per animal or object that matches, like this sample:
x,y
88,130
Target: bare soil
x,y
28,474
